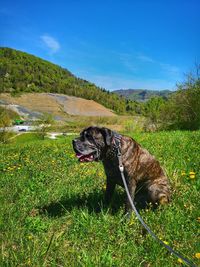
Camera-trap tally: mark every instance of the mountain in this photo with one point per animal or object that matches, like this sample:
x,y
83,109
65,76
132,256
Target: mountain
x,y
33,105
21,72
142,95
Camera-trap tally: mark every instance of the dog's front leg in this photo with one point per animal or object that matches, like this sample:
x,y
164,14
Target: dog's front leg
x,y
110,187
131,187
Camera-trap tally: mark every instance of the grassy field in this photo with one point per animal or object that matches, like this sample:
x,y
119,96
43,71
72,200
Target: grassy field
x,y
52,211
117,123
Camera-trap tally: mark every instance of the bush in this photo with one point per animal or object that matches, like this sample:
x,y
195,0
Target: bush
x,y
5,121
181,110
152,111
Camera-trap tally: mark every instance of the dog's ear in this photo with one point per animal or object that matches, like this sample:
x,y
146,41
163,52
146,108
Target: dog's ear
x,y
107,135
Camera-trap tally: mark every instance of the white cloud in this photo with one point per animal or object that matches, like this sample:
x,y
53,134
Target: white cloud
x,y
170,68
127,61
51,43
145,59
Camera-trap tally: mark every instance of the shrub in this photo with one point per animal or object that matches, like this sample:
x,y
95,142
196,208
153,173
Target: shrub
x,y
182,111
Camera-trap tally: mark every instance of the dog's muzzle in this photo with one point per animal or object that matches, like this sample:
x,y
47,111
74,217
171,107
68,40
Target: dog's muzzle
x,y
85,152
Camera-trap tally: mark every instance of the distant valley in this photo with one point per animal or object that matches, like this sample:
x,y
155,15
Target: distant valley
x,y
142,95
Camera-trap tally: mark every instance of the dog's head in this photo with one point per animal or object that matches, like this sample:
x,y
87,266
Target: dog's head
x,y
92,144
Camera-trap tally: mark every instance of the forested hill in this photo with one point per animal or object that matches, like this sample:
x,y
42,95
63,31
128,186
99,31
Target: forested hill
x,y
142,94
21,72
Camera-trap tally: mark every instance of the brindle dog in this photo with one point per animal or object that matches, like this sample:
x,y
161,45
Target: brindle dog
x,y
143,172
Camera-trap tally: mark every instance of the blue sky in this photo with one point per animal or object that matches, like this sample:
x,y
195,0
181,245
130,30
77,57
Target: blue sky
x,y
146,44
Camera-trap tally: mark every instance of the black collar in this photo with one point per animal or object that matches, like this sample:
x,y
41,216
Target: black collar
x,y
117,139
115,148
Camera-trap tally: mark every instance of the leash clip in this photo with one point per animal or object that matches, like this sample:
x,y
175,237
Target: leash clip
x,y
121,168
119,155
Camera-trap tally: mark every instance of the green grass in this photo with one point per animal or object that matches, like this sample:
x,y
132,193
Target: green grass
x,y
52,211
25,138
121,123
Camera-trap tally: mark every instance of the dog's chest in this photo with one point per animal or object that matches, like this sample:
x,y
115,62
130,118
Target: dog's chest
x,y
112,171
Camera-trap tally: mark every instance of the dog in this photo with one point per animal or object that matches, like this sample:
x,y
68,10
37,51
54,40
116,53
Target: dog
x,y
142,171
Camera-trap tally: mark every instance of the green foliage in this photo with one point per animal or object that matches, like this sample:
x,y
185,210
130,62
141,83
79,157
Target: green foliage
x,y
21,72
43,124
5,136
5,121
152,111
35,224
52,211
7,115
181,110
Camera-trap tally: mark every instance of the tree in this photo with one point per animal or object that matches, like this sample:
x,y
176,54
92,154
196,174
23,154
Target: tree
x,y
5,121
183,109
43,124
152,110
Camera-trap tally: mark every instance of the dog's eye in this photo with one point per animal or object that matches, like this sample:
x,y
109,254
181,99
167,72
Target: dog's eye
x,y
87,135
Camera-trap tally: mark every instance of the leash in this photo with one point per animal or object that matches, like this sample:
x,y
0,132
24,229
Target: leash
x,y
121,168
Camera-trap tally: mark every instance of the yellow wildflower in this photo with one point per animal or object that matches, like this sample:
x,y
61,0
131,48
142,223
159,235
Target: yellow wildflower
x,y
180,260
198,219
192,175
197,255
183,173
104,186
131,222
166,243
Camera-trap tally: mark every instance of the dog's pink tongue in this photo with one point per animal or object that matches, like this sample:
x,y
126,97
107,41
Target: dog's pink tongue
x,y
84,158
79,155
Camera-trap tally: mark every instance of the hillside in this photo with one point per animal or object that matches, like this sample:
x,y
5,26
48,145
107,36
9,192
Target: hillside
x,y
32,105
142,95
21,72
